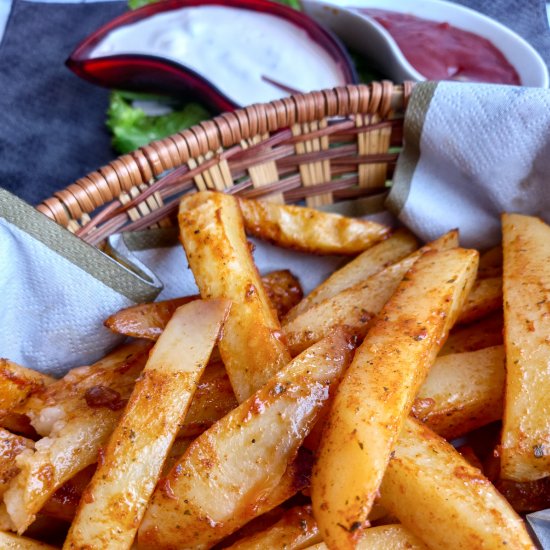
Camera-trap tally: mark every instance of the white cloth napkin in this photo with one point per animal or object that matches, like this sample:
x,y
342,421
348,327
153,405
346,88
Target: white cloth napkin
x,y
472,151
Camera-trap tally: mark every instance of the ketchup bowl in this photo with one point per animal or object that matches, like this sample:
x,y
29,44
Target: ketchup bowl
x,y
104,59
372,39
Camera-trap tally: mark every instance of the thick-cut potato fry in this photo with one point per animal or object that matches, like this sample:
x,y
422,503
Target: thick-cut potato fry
x,y
213,399
462,392
114,503
297,529
9,541
485,333
231,467
63,503
490,261
148,320
378,389
373,260
443,500
528,496
525,450
77,414
212,233
309,230
17,383
10,447
356,306
485,297
384,537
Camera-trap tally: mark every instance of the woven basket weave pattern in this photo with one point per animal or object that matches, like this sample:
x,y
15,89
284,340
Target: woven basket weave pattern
x,y
319,147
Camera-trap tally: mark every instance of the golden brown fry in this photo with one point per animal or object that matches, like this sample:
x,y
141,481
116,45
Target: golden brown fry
x,y
529,496
384,537
309,230
77,415
297,529
9,541
378,389
63,503
230,468
490,261
443,500
356,306
148,320
525,453
462,392
17,383
485,297
485,333
368,263
10,447
213,399
114,502
212,233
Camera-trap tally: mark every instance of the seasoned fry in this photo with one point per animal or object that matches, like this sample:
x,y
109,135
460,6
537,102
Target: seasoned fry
x,y
17,383
525,452
297,529
77,414
213,399
485,297
148,320
231,467
212,233
309,230
384,537
368,263
9,541
356,306
10,447
529,496
485,333
378,389
114,503
490,263
443,500
462,392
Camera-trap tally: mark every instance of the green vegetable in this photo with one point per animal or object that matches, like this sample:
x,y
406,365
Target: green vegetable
x,y
135,4
132,128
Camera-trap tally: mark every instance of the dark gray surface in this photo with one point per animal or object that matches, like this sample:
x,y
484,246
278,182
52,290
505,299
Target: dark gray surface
x,y
52,127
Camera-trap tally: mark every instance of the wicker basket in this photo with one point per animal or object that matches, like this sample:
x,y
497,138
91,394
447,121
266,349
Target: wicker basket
x,y
319,147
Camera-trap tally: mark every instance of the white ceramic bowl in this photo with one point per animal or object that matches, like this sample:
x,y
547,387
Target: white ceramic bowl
x,y
372,40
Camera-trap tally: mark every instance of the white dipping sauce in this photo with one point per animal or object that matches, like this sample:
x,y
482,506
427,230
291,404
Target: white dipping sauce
x,y
233,48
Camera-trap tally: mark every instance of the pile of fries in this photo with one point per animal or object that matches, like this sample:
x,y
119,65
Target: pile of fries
x,y
250,417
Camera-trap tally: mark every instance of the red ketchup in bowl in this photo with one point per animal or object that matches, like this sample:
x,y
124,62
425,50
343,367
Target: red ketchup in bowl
x,y
440,51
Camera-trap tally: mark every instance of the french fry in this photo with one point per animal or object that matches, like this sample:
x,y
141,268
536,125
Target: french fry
x,y
373,260
485,297
485,333
295,530
525,449
114,502
212,233
148,320
17,383
378,389
77,414
229,469
490,263
213,399
10,447
443,500
462,392
525,497
9,541
356,306
309,230
384,537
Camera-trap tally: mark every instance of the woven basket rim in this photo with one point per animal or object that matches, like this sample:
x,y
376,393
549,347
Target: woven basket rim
x,y
121,185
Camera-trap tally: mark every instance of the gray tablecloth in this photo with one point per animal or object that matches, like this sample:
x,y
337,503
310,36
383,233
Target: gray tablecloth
x,y
52,127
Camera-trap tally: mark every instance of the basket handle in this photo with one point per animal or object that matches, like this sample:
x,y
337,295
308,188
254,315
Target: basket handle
x,y
120,175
